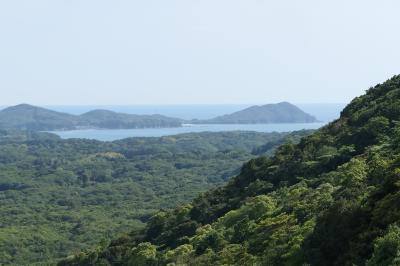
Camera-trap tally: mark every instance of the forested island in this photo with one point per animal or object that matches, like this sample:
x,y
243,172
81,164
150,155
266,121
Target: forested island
x,y
331,199
28,117
58,197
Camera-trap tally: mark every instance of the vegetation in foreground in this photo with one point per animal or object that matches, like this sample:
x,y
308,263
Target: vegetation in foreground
x,y
60,196
332,199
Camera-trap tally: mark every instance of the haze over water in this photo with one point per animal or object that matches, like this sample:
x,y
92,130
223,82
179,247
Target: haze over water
x,y
323,112
116,134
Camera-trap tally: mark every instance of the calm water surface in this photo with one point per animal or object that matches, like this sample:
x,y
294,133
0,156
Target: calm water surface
x,y
115,134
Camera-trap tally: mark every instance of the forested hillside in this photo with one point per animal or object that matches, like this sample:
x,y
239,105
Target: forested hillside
x,y
61,196
332,199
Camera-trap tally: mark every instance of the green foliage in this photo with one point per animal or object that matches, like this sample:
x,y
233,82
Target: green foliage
x,y
143,254
387,249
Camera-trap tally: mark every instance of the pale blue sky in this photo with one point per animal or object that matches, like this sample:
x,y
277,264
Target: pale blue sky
x,y
195,51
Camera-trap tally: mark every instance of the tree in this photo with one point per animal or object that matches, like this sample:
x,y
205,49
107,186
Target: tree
x,y
387,249
143,255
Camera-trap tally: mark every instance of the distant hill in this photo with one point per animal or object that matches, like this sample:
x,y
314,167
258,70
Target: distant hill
x,y
28,117
283,112
109,119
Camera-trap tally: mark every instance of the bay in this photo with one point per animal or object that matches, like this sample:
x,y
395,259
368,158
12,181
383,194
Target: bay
x,y
116,134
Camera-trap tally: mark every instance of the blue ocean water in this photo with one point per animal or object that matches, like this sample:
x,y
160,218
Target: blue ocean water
x,y
115,134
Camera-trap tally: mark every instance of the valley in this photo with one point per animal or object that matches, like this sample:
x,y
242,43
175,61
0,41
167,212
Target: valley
x,y
58,197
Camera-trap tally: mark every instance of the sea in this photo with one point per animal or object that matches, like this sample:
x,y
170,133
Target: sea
x,y
324,112
116,134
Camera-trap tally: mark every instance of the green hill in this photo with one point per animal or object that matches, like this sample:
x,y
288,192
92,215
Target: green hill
x,y
109,119
28,117
283,112
332,199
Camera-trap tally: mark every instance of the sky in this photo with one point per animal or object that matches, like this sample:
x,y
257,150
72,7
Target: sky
x,y
77,52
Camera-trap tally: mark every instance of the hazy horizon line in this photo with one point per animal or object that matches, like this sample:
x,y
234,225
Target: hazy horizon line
x,y
169,104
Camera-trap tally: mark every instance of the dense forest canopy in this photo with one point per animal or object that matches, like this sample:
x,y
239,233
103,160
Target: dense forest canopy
x,y
332,199
61,196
